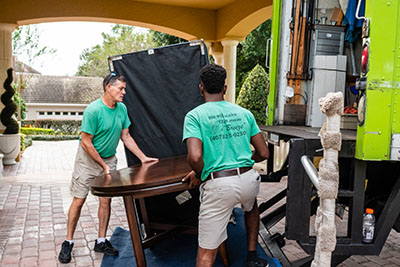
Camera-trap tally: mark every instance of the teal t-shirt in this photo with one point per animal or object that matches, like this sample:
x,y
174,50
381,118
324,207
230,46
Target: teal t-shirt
x,y
105,124
225,130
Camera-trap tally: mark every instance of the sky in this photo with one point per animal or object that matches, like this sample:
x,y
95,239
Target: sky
x,y
69,39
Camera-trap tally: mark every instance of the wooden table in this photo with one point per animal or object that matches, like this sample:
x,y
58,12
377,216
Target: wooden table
x,y
141,181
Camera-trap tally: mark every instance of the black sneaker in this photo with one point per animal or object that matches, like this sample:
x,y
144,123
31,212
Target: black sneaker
x,y
106,248
258,262
65,253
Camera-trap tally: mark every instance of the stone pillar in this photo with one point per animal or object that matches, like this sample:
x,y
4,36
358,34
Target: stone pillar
x,y
208,45
217,52
6,59
219,58
230,66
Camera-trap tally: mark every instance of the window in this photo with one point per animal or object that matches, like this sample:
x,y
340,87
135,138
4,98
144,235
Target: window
x,y
49,112
73,113
80,113
58,113
65,113
41,113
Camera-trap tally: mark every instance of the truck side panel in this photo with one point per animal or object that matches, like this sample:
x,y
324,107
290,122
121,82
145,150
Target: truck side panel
x,y
275,36
374,136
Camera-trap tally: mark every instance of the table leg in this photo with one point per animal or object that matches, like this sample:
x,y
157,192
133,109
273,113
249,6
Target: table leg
x,y
145,218
134,230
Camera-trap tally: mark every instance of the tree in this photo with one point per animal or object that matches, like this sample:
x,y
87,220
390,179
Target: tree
x,y
20,103
26,44
163,39
254,95
122,40
251,52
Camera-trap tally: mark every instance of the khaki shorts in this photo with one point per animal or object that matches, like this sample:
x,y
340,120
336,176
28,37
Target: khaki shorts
x,y
85,170
218,197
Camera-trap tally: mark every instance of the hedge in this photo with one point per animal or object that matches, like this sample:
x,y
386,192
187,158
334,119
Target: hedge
x,y
25,141
36,131
54,137
67,127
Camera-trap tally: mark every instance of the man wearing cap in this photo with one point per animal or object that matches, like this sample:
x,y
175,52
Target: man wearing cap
x,y
104,122
218,136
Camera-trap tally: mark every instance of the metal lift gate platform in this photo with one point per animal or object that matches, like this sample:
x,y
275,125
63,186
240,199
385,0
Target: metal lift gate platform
x,y
302,200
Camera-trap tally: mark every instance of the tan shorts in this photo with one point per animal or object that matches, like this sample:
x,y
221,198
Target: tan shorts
x,y
85,170
218,197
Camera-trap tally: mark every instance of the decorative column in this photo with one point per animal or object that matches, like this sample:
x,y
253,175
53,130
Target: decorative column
x,y
328,176
208,45
217,52
230,66
219,58
6,60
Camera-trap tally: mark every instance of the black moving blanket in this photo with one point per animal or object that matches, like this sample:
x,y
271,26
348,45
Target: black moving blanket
x,y
162,86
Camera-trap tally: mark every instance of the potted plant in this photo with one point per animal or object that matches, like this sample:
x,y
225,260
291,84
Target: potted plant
x,y
10,139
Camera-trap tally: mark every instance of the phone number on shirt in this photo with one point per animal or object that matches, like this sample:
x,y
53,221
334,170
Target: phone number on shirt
x,y
227,136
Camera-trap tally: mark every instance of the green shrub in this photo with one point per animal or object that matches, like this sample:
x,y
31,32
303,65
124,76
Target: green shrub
x,y
65,127
22,142
19,101
54,137
254,95
27,141
36,131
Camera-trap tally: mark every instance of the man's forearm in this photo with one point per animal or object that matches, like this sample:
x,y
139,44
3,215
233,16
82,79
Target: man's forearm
x,y
197,167
89,149
130,143
195,155
257,157
261,151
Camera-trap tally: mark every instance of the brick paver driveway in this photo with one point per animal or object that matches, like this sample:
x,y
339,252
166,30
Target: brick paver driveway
x,y
34,201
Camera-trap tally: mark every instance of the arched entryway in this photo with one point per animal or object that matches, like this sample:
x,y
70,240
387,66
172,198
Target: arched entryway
x,y
222,24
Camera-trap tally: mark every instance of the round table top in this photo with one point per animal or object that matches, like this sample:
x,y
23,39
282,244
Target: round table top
x,y
142,176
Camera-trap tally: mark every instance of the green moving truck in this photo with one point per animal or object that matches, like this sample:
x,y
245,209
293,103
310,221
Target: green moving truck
x,y
317,47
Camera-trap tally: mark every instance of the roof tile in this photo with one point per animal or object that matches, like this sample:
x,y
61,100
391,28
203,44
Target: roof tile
x,y
61,89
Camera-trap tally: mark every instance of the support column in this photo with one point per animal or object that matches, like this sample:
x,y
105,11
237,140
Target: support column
x,y
6,60
219,58
217,52
208,45
230,66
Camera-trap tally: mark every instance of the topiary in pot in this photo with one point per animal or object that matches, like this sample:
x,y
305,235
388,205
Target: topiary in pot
x,y
9,106
254,95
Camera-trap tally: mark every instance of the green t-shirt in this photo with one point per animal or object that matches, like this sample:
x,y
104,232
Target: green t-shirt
x,y
105,124
225,130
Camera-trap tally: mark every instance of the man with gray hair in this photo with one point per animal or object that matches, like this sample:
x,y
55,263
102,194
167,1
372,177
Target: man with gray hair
x,y
104,122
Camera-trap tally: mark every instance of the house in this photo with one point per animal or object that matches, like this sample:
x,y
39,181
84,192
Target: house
x,y
58,97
